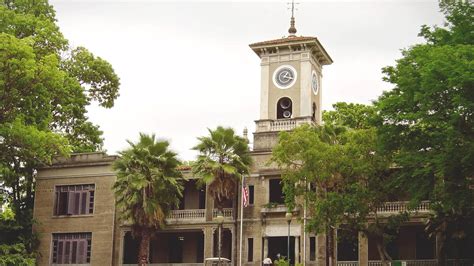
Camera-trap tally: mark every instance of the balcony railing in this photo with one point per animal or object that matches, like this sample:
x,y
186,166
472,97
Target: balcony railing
x,y
347,263
407,263
401,206
168,264
432,262
227,212
187,214
281,124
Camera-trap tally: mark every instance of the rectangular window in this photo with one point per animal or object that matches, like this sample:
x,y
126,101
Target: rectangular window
x,y
251,195
74,248
250,249
276,191
312,248
74,199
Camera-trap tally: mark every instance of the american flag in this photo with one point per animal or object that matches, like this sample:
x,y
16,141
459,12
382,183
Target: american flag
x,y
245,193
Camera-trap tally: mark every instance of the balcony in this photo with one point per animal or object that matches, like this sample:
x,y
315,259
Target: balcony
x,y
402,206
168,264
227,212
194,216
269,125
186,216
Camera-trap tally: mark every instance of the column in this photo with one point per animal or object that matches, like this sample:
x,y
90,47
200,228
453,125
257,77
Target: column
x,y
233,246
363,249
121,244
297,249
265,247
208,242
321,249
264,90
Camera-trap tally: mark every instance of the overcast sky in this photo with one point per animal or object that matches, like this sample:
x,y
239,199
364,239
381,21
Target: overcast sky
x,y
186,66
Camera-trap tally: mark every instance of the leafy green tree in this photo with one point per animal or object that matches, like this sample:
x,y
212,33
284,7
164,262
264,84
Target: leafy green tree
x,y
341,177
45,87
148,185
12,253
352,115
427,122
223,159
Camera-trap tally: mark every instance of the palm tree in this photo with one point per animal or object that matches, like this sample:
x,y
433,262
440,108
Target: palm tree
x,y
148,185
223,159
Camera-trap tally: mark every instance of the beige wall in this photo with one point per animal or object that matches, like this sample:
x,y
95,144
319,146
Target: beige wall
x,y
100,223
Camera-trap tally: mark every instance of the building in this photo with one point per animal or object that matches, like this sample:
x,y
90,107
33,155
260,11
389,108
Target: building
x,y
76,215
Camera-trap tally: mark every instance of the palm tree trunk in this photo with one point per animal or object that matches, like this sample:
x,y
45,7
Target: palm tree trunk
x,y
440,245
144,247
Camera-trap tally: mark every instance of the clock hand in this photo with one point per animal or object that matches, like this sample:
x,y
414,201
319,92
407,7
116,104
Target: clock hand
x,y
286,75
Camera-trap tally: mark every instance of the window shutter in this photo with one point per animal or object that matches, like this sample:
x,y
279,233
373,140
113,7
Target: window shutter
x,y
62,204
67,252
83,202
70,203
60,251
77,203
81,251
74,251
56,203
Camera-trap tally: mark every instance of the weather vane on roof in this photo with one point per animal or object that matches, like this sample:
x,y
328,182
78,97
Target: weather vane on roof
x,y
292,29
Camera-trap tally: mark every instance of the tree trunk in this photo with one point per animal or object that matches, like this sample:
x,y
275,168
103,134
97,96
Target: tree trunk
x,y
440,245
330,247
144,247
383,254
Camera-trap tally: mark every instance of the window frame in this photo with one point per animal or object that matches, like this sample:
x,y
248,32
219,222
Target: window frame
x,y
312,251
250,250
269,199
251,195
89,210
73,237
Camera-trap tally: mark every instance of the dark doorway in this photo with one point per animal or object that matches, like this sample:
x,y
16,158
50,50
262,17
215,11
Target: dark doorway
x,y
347,245
130,249
202,198
279,246
176,250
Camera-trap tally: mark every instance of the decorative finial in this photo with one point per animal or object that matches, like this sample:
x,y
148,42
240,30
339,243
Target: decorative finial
x,y
292,29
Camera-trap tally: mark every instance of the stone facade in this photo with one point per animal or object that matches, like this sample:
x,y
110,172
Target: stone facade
x,y
90,168
191,233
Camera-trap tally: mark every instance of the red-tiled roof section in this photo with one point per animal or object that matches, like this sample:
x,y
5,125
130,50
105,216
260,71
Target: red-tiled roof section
x,y
284,40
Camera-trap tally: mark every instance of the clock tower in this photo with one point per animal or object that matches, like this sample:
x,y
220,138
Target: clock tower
x,y
291,84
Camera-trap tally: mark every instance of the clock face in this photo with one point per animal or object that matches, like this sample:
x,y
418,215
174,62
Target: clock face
x,y
314,83
284,77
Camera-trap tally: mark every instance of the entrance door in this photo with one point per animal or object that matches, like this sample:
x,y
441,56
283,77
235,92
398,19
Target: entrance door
x,y
278,246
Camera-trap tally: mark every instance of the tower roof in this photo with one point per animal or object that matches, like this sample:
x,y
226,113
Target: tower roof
x,y
312,43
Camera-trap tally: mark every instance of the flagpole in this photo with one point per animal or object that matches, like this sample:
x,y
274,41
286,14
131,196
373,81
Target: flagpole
x,y
241,218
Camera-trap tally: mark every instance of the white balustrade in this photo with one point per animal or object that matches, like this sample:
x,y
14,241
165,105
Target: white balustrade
x,y
187,214
283,124
408,263
401,206
347,263
420,262
227,212
375,263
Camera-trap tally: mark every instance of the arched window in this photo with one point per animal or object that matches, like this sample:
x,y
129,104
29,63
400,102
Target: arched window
x,y
284,108
313,116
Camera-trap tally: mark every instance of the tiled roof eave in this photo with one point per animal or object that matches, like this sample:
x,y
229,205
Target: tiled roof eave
x,y
309,41
282,41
